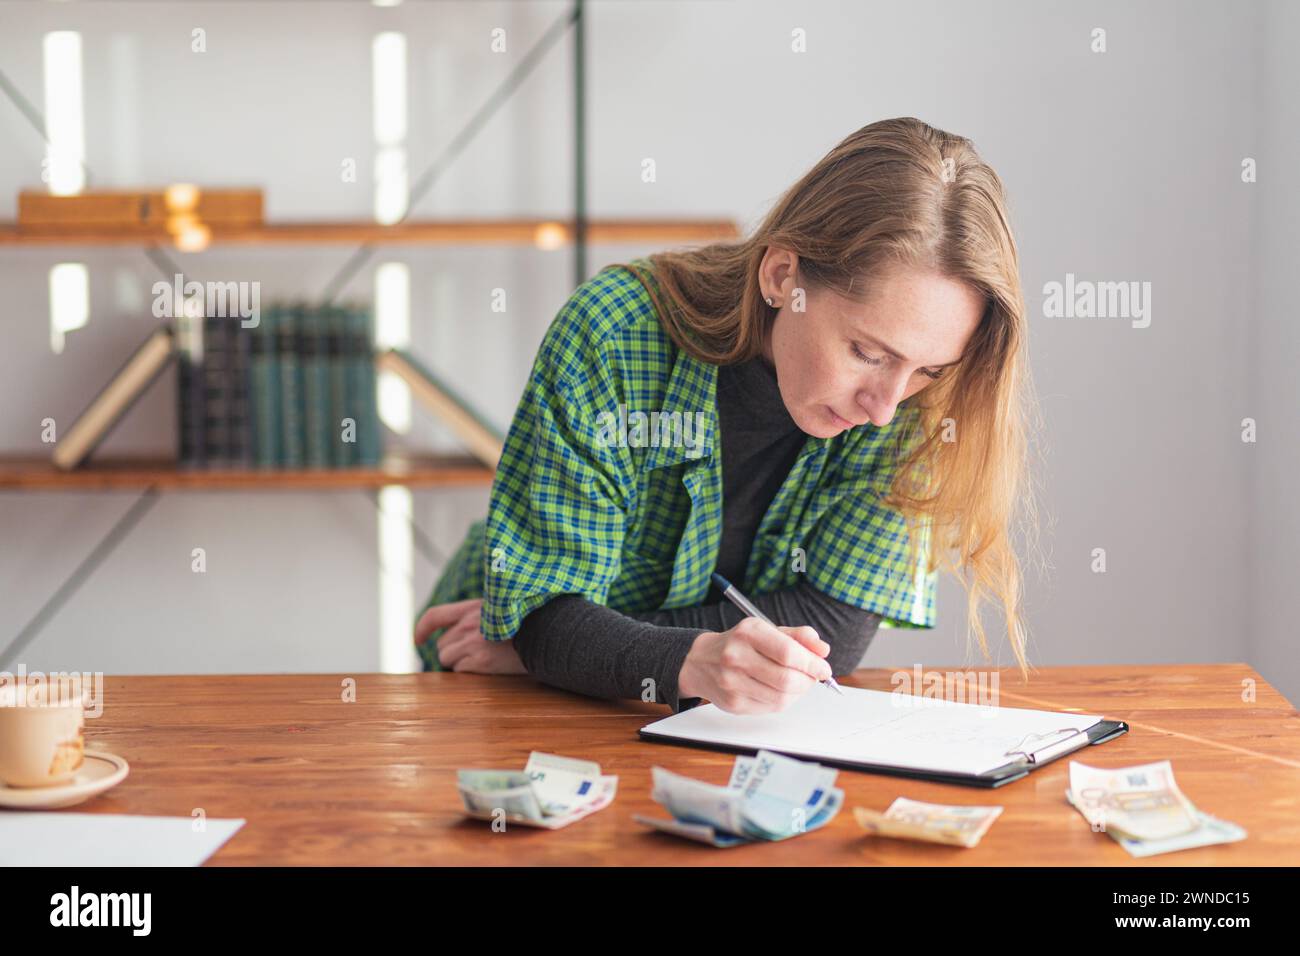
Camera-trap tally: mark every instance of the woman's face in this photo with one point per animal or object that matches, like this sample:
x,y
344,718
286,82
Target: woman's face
x,y
840,363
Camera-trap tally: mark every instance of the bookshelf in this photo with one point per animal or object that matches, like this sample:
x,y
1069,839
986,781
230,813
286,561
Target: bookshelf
x,y
148,477
136,474
547,233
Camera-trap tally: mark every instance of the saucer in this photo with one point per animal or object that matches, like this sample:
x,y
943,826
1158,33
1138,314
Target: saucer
x,y
97,773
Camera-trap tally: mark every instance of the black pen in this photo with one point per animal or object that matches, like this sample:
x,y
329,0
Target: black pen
x,y
732,594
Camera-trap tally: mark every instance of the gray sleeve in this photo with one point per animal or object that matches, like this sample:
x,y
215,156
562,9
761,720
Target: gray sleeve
x,y
578,645
847,629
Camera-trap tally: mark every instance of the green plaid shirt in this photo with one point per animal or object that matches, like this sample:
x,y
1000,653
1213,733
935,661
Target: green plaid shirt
x,y
588,499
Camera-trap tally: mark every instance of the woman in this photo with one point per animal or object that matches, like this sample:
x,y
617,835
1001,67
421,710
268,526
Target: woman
x,y
803,412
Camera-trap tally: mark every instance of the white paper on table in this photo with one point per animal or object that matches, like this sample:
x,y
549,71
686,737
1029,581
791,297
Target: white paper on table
x,y
46,838
883,728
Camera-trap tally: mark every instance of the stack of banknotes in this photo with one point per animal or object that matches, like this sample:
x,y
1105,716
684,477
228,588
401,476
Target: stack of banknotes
x,y
929,822
769,797
1142,809
551,791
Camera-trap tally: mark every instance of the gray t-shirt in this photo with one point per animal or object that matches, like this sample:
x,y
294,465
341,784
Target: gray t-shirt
x,y
574,643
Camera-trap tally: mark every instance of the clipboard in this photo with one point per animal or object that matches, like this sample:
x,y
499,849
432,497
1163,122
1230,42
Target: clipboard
x,y
1026,756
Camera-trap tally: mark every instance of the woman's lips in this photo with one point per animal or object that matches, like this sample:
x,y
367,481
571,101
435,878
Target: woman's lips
x,y
838,420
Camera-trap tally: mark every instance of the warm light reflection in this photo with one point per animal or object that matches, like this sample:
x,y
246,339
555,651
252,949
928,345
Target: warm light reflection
x,y
181,197
550,235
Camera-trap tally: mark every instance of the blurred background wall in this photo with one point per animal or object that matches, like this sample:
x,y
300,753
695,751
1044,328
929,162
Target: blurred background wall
x,y
1121,166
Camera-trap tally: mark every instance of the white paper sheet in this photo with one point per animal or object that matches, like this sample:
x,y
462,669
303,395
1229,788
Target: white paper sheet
x,y
880,727
59,838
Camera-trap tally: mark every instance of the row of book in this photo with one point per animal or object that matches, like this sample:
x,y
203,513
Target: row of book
x,y
296,390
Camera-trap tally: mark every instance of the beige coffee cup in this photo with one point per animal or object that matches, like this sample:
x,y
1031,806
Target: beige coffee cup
x,y
41,734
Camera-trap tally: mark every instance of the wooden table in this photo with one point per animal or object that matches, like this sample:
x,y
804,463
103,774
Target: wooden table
x,y
321,781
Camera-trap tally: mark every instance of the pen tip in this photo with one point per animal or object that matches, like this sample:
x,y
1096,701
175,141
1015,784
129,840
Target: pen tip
x,y
721,582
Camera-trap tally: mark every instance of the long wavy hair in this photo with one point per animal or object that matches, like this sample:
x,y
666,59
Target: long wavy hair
x,y
900,192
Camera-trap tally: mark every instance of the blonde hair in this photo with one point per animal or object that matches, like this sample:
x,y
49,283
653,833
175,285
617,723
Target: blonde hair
x,y
900,192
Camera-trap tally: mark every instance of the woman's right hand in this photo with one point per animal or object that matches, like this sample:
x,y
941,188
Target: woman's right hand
x,y
754,668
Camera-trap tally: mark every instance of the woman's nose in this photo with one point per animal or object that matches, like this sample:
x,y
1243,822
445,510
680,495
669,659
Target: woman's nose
x,y
880,400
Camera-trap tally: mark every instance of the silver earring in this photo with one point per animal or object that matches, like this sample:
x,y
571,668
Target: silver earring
x,y
769,300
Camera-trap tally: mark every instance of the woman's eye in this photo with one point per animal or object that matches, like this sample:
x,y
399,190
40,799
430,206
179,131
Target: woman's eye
x,y
863,356
872,360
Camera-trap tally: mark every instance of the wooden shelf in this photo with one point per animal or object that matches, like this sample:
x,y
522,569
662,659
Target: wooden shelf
x,y
545,233
38,474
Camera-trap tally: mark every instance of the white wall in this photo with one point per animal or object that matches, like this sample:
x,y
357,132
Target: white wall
x,y
1120,166
1273,516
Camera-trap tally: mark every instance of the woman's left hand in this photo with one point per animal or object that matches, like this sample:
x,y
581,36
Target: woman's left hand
x,y
462,647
